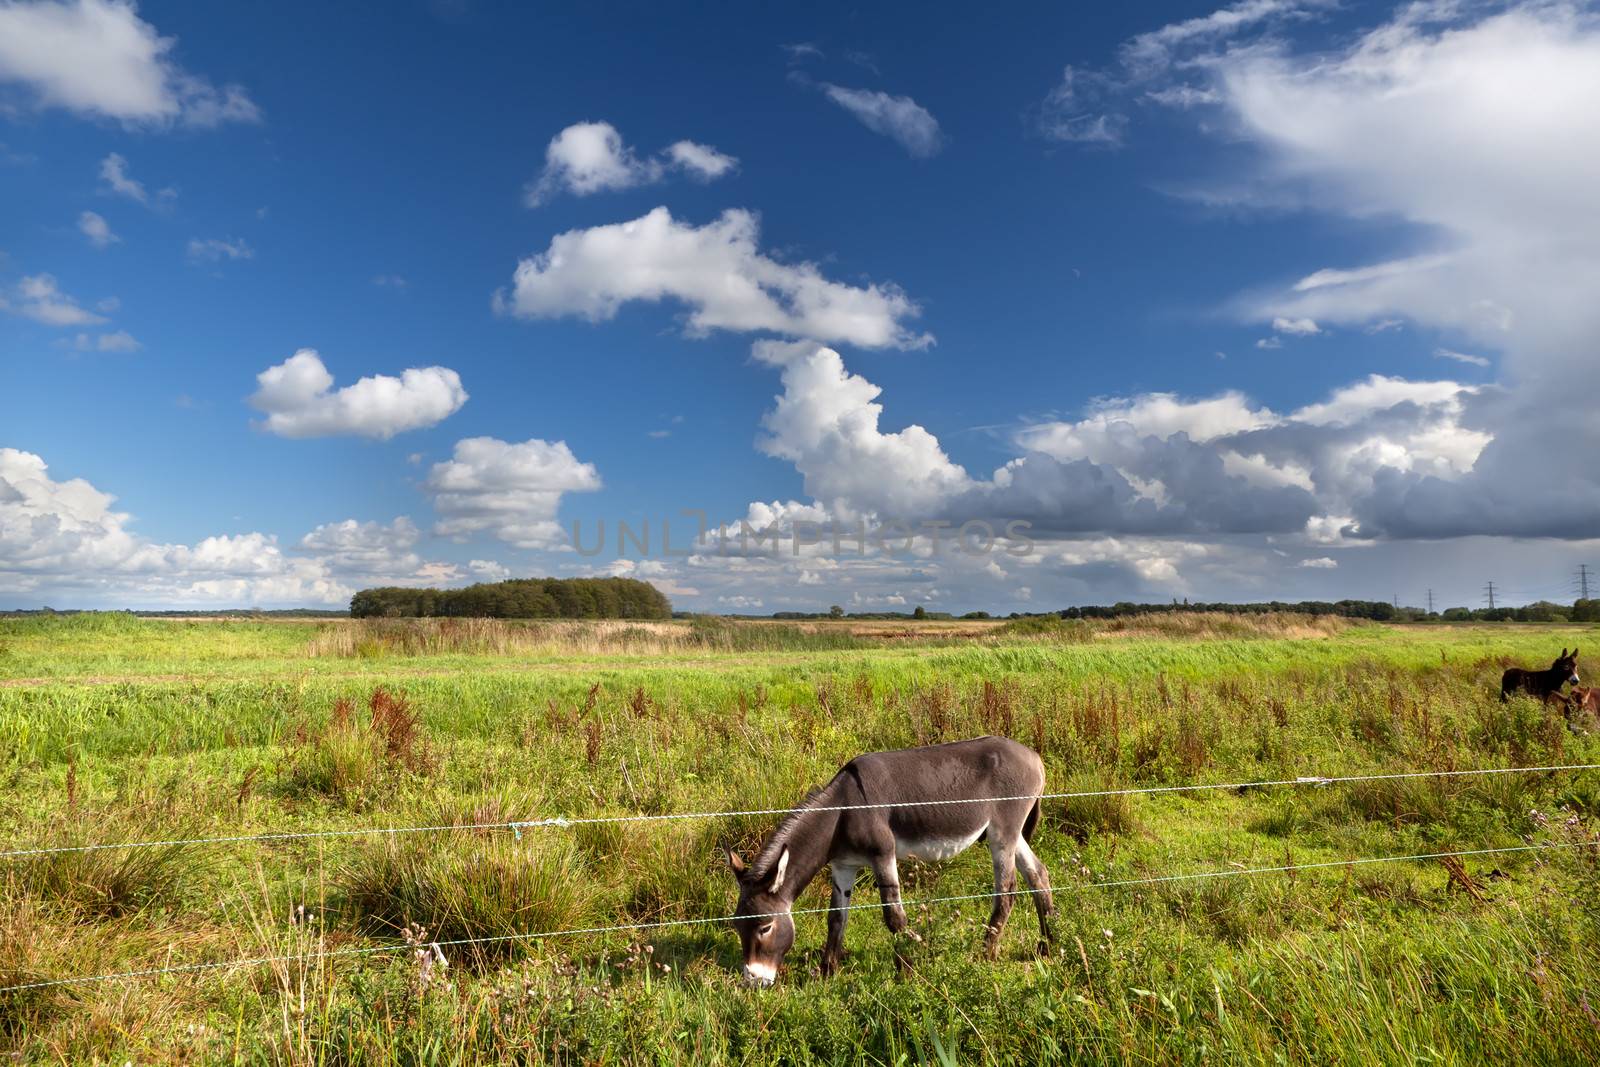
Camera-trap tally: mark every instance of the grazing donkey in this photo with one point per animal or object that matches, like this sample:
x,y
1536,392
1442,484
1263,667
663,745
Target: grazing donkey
x,y
1540,684
821,834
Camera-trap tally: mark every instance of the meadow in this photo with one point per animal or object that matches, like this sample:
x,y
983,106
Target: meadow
x,y
122,729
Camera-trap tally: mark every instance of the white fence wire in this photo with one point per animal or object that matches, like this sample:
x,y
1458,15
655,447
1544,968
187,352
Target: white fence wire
x,y
516,826
1232,872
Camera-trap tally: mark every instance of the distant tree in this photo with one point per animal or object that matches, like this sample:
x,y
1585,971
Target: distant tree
x,y
920,613
836,612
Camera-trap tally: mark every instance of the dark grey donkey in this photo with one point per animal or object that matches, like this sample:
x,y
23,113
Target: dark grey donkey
x,y
819,835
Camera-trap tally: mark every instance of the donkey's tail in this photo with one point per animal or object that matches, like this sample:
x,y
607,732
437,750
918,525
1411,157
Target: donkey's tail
x,y
1031,822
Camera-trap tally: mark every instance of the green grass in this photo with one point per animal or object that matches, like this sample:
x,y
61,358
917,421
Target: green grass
x,y
113,728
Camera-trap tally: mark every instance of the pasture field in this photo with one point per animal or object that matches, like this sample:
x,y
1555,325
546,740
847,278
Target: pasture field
x,y
117,729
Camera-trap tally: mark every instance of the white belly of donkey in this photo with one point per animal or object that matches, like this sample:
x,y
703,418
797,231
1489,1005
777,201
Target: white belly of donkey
x,y
934,849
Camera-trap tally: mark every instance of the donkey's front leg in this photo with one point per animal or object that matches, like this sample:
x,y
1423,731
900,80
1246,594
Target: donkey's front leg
x,y
1005,887
844,882
887,873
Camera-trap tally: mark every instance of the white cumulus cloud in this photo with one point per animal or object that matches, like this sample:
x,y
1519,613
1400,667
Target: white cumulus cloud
x,y
826,423
64,543
590,157
299,400
715,269
510,491
701,160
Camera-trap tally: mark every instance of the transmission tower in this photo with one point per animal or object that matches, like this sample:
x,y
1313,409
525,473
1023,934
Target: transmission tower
x,y
1430,602
1489,592
1582,581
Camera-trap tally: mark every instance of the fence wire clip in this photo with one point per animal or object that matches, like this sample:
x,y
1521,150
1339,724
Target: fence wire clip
x,y
1313,780
516,827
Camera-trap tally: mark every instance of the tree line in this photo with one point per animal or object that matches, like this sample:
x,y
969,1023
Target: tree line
x,y
1378,610
519,598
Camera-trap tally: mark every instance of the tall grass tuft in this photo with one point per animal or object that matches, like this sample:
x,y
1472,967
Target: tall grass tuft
x,y
1088,814
354,760
111,883
467,885
24,930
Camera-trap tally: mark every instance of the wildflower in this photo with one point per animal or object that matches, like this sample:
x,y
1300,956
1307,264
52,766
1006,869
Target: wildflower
x,y
428,956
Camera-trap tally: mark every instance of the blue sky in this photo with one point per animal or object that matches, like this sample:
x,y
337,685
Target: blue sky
x,y
1255,301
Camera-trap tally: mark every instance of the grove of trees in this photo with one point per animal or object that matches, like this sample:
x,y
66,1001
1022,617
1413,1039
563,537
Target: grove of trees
x,y
520,598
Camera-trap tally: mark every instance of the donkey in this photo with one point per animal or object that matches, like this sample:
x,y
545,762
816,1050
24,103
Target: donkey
x,y
927,827
1584,703
1540,684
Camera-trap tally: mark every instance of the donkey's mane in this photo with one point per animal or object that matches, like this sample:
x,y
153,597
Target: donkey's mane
x,y
786,829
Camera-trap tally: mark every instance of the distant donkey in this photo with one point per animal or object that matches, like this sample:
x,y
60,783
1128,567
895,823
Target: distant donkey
x,y
1541,684
819,834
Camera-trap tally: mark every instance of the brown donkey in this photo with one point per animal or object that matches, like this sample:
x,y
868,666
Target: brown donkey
x,y
1540,684
929,827
1583,705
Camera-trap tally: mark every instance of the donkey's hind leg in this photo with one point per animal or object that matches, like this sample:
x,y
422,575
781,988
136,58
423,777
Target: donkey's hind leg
x,y
1004,855
887,874
1038,877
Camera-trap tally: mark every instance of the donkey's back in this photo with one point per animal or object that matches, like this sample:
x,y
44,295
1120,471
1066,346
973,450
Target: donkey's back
x,y
953,793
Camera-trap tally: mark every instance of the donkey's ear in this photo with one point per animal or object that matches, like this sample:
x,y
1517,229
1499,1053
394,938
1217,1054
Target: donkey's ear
x,y
780,870
735,863
1563,651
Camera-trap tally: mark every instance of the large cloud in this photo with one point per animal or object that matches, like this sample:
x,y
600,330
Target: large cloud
x,y
1484,136
300,401
715,269
1153,464
63,542
98,58
1474,131
510,491
590,157
826,423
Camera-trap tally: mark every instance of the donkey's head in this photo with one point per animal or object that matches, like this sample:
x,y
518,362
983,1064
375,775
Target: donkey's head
x,y
766,929
1567,665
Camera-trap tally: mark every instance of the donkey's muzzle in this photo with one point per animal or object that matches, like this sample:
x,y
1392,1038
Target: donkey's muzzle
x,y
760,975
